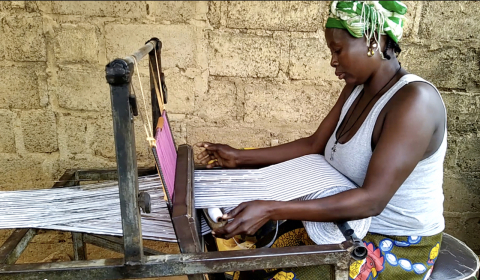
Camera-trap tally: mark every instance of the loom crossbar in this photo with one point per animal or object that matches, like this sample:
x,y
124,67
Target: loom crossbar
x,y
140,53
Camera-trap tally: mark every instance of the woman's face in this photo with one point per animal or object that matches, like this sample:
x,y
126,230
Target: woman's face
x,y
349,56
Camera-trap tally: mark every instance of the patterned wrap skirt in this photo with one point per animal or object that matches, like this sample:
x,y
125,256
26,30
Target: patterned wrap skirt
x,y
389,257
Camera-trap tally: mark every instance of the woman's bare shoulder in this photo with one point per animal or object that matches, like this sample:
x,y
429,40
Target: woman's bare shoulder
x,y
419,95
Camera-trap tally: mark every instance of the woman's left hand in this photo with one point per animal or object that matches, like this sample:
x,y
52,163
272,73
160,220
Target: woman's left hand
x,y
248,218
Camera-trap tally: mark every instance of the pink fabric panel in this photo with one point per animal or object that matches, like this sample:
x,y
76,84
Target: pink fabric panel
x,y
167,154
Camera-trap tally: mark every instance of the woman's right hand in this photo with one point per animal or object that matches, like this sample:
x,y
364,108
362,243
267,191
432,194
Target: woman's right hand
x,y
217,155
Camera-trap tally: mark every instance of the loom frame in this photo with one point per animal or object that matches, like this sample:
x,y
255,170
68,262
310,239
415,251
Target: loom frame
x,y
194,261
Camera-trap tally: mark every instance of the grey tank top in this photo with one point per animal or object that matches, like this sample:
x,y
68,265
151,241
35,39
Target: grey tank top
x,y
416,209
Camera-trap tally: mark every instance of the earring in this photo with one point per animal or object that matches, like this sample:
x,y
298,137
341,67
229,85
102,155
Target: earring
x,y
370,52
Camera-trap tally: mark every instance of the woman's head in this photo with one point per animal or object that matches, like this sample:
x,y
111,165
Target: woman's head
x,y
363,34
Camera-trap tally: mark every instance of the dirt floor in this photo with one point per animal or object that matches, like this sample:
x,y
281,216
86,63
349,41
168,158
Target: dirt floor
x,y
56,246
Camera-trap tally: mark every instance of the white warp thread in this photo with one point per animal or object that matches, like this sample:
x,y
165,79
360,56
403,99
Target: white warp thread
x,y
284,181
93,208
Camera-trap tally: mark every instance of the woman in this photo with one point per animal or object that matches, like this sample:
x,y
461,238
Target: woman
x,y
386,132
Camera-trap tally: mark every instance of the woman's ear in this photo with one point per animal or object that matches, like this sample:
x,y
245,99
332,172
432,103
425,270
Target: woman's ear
x,y
372,47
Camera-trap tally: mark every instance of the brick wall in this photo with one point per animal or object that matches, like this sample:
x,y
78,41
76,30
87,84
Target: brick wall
x,y
249,74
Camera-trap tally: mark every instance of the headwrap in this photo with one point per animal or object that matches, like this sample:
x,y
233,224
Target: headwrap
x,y
369,18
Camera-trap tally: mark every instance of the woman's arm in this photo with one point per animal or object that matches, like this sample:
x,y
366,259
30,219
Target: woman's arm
x,y
314,144
406,134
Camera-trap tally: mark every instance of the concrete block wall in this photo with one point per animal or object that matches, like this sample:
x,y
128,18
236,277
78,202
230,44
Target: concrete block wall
x,y
249,74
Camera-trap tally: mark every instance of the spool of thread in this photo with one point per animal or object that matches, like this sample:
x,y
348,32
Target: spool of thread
x,y
215,214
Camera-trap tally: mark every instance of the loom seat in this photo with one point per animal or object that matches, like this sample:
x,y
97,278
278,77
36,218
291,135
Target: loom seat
x,y
455,261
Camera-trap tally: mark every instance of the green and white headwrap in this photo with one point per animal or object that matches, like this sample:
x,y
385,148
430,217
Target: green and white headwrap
x,y
369,18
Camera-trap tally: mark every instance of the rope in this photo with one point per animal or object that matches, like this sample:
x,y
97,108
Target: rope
x,y
163,148
161,99
150,138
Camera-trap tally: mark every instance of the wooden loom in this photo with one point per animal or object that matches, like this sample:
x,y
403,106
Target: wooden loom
x,y
198,257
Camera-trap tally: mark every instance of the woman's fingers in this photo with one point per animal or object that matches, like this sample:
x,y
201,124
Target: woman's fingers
x,y
207,155
207,159
228,228
218,158
203,144
247,217
232,229
223,155
235,211
212,164
202,154
238,226
204,159
207,145
243,228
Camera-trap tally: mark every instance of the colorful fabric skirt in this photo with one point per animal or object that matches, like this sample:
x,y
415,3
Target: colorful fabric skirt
x,y
389,257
